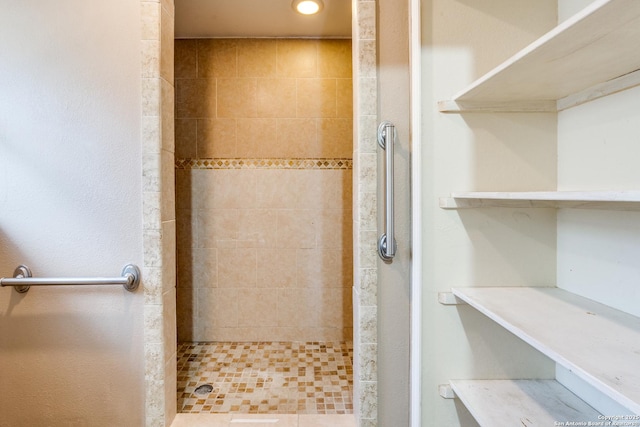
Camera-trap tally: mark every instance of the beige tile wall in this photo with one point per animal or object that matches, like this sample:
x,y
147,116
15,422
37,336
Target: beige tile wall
x,y
265,252
244,98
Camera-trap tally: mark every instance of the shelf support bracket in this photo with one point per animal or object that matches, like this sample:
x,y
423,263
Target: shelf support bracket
x,y
448,298
446,392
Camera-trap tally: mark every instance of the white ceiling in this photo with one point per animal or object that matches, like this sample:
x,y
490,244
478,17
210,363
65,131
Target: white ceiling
x,y
260,18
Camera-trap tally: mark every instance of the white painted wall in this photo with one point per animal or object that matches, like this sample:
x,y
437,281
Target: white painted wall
x,y
598,148
598,249
70,204
568,8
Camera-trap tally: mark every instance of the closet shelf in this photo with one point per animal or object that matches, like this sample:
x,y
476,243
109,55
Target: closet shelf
x,y
590,55
507,403
597,343
613,200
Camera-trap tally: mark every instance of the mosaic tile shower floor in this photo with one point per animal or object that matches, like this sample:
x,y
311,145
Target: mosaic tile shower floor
x,y
265,377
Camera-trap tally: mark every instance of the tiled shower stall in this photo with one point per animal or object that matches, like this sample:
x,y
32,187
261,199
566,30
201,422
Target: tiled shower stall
x,y
158,148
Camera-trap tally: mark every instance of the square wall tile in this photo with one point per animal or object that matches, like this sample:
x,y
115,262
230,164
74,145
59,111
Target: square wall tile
x,y
216,138
169,324
217,228
169,256
195,98
217,308
335,308
297,58
236,97
150,13
185,131
334,58
255,138
224,189
322,269
258,307
344,93
186,310
335,138
276,97
298,307
237,268
185,52
257,228
257,58
335,229
168,187
217,58
366,20
204,268
296,138
316,98
150,51
276,269
167,46
296,229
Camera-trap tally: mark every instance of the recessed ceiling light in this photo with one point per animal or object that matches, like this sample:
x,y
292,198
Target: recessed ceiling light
x,y
307,7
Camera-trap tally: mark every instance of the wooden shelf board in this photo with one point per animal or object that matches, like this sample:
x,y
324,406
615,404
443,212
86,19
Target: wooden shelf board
x,y
599,344
508,403
614,200
565,67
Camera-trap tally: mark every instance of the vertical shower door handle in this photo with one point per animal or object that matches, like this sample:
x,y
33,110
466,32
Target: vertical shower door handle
x,y
387,242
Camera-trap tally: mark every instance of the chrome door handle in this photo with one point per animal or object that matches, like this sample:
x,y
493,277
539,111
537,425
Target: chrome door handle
x,y
387,243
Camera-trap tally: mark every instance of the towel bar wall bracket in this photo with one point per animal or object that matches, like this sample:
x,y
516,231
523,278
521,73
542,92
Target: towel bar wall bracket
x,y
23,279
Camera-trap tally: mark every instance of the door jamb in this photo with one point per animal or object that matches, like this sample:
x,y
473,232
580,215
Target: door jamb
x,y
415,366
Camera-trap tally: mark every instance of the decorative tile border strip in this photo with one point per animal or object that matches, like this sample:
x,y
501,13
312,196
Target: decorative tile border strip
x,y
264,164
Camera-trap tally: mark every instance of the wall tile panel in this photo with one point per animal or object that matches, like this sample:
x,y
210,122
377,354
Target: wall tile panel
x,y
264,189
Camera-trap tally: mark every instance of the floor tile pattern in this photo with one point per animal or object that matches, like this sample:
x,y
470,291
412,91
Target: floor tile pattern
x,y
265,377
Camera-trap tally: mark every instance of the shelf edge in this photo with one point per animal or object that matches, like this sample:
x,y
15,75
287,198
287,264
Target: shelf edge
x,y
619,84
605,200
459,107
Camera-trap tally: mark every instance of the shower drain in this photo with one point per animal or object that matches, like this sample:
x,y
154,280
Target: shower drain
x,y
204,389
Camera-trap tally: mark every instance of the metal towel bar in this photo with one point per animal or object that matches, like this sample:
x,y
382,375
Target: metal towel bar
x,y
22,279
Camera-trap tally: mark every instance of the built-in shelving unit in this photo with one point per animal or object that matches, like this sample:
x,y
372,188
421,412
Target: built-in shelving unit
x,y
592,54
614,200
597,343
588,56
508,403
